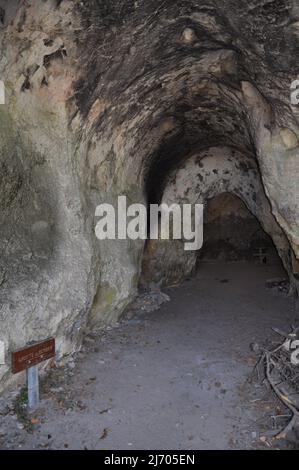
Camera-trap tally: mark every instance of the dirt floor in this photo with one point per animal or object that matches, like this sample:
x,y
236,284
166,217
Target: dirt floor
x,y
176,378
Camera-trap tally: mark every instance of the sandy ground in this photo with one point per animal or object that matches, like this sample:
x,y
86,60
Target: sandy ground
x,y
176,378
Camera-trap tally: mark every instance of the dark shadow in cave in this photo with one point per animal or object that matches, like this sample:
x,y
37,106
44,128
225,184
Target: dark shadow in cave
x,y
232,233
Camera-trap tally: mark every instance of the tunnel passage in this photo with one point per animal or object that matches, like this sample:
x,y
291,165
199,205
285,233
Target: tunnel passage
x,y
233,233
126,98
204,178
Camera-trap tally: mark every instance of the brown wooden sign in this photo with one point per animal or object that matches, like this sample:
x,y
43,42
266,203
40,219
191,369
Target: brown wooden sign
x,y
32,355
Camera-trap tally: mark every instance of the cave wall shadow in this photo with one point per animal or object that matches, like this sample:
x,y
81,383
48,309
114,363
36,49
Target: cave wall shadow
x,y
232,233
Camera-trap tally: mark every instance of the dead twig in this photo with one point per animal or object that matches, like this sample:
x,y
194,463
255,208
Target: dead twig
x,y
283,377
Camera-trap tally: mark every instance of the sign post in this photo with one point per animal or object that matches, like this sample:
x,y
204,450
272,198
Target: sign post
x,y
33,387
28,359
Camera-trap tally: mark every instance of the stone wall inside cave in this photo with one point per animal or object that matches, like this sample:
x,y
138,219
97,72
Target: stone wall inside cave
x,y
108,98
233,233
198,180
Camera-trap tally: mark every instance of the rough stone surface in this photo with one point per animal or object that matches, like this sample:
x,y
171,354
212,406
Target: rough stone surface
x,y
199,179
105,98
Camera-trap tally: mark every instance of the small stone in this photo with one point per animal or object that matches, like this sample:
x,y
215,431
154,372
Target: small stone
x,y
35,421
4,409
56,389
255,347
165,297
188,36
289,139
20,426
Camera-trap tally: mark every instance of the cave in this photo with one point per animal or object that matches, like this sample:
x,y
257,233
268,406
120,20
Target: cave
x,y
232,233
165,103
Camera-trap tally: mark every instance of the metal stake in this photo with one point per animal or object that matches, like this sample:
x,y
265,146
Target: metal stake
x,y
33,387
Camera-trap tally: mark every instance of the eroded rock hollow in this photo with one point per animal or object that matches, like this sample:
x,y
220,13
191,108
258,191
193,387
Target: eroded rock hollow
x,y
175,101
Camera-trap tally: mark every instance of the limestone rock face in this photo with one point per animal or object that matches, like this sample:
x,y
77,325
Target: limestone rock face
x,y
138,98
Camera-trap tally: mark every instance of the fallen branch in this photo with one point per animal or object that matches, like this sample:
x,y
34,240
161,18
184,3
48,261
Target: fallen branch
x,y
283,377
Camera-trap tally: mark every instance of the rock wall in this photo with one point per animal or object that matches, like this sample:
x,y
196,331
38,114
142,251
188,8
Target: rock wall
x,y
198,180
108,98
